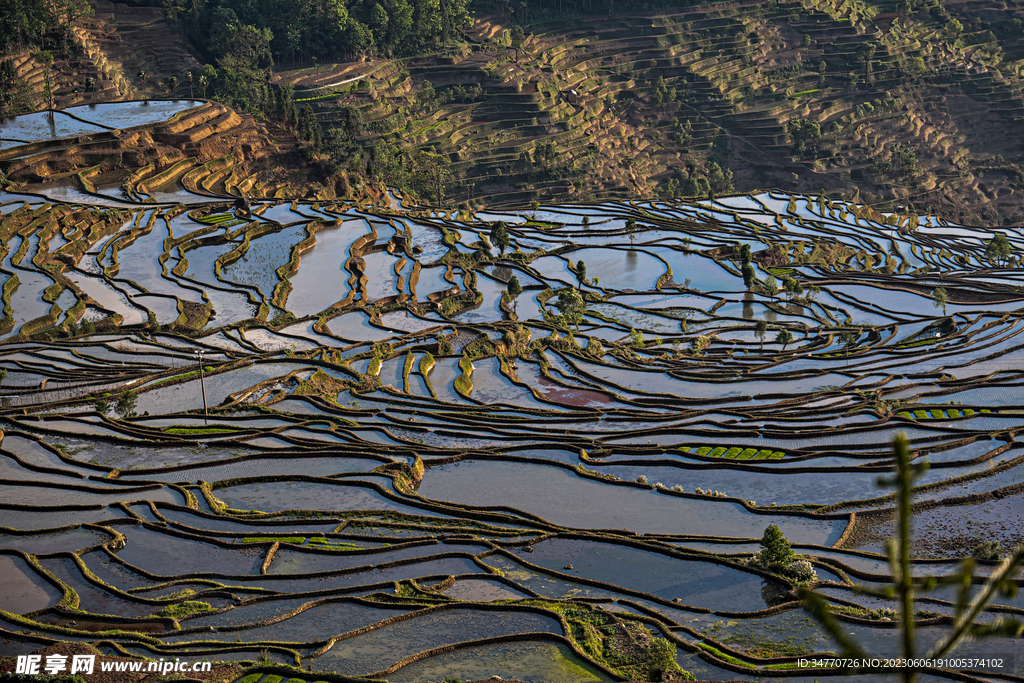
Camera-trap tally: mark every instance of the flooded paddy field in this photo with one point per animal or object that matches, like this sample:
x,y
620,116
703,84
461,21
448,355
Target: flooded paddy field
x,y
437,446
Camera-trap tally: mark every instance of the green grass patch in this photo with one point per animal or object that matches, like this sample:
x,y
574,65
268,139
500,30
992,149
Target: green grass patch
x,y
905,414
718,452
777,455
921,414
733,452
272,539
198,430
329,543
938,414
805,92
184,608
747,454
703,450
724,657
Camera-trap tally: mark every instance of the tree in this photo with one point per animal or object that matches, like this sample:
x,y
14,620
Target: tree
x,y
389,164
342,150
749,277
775,548
188,79
90,83
784,337
581,271
500,237
535,207
514,289
998,248
45,57
432,175
172,85
973,597
517,36
631,229
954,28
142,76
849,339
940,299
203,82
916,67
3,374
636,338
126,404
309,127
793,287
102,407
760,330
571,306
771,286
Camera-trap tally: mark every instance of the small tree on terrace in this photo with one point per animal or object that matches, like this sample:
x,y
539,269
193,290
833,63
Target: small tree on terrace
x,y
45,57
500,238
784,337
771,286
581,271
518,37
940,298
749,276
760,330
514,289
126,404
775,549
998,248
571,306
848,340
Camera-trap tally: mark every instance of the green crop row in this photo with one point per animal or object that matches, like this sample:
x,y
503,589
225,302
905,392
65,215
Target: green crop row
x,y
940,414
737,453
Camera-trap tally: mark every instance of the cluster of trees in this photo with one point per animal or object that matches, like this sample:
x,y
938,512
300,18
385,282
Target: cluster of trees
x,y
804,133
900,162
32,23
712,182
307,31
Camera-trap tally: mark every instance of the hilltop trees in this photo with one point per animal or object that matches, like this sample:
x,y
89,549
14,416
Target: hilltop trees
x,y
304,31
29,23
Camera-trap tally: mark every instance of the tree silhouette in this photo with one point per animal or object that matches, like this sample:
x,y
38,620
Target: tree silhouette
x,y
760,330
940,298
500,238
784,337
517,37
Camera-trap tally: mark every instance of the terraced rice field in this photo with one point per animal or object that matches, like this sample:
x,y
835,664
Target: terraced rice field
x,y
405,472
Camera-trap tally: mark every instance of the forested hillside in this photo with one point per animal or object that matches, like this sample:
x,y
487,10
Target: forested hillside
x,y
911,103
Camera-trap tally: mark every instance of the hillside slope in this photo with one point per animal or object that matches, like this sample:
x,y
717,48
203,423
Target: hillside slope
x,y
803,96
